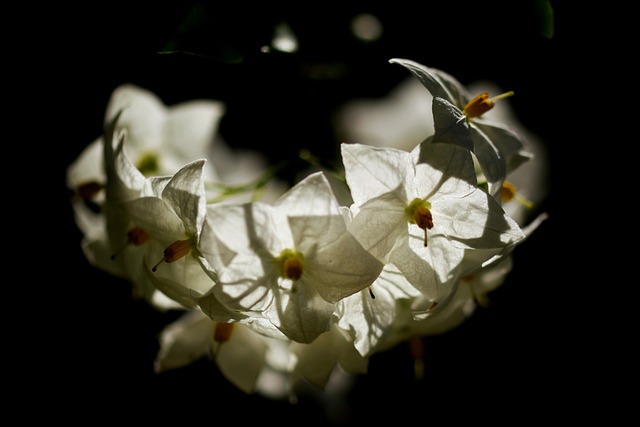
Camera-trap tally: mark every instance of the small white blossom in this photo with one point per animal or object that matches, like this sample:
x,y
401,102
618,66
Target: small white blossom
x,y
421,210
457,119
290,261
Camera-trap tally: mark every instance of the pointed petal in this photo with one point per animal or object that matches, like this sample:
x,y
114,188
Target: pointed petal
x,y
242,358
184,341
476,221
372,171
509,144
442,169
342,268
379,223
429,80
185,194
302,314
450,124
493,165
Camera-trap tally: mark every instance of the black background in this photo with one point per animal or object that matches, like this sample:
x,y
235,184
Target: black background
x,y
90,346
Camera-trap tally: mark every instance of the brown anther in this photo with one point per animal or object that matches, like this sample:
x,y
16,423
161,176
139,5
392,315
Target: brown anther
x,y
423,219
88,190
136,236
174,252
222,332
292,268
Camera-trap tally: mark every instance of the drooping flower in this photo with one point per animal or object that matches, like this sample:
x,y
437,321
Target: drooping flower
x,y
458,119
159,140
421,210
171,211
250,360
371,315
289,261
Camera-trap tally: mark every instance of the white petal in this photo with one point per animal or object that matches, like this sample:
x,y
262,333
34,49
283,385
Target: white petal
x,y
372,171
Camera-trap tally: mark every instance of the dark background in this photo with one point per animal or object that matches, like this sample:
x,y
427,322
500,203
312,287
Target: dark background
x,y
91,346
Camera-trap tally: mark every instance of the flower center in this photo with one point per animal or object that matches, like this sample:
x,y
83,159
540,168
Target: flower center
x,y
291,264
174,252
148,164
482,103
419,213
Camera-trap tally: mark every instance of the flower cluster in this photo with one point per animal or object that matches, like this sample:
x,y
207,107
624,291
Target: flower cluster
x,y
280,284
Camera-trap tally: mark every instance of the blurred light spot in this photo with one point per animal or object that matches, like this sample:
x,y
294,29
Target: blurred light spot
x,y
366,27
283,39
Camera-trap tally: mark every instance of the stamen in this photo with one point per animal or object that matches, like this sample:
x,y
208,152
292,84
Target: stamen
x,y
292,268
174,252
136,236
418,212
423,219
482,103
291,264
88,190
371,294
509,192
222,332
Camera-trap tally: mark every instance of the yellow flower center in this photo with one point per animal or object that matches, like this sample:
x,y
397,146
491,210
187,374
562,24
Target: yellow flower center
x,y
482,103
291,264
419,213
148,164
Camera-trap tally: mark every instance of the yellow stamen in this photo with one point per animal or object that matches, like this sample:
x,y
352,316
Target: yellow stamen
x,y
174,252
510,192
482,103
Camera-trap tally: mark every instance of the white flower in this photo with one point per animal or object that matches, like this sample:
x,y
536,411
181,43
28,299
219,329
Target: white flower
x,y
331,350
421,210
255,363
372,314
289,261
159,140
457,118
162,139
251,361
171,211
